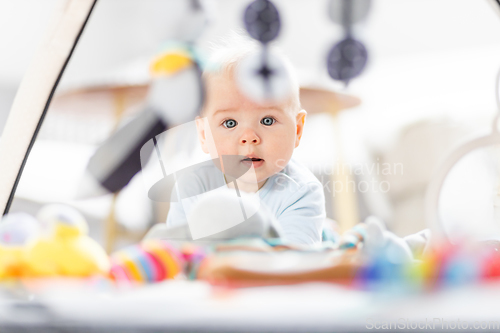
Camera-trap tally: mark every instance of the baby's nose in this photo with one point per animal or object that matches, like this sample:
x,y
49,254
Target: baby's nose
x,y
249,136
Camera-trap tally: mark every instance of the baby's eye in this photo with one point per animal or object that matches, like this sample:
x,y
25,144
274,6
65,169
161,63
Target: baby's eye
x,y
230,123
268,121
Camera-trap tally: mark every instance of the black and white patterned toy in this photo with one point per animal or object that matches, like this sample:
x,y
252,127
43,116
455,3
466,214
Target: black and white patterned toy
x,y
262,21
347,59
263,77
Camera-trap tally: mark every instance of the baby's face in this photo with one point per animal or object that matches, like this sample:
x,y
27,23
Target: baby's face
x,y
265,135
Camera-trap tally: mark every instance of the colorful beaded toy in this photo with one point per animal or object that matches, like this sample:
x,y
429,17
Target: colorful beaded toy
x,y
150,261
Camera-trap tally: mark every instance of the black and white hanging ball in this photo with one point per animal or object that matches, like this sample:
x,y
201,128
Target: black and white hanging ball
x,y
262,20
346,60
358,10
264,82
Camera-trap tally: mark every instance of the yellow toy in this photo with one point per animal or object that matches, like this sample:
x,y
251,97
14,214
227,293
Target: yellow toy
x,y
68,251
16,230
170,63
176,91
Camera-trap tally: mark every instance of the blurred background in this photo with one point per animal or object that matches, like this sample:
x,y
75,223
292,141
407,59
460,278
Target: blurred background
x,y
428,86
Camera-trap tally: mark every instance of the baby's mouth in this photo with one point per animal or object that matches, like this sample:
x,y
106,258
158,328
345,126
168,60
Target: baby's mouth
x,y
255,161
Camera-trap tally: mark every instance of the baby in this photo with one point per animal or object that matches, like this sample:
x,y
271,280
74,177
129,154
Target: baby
x,y
260,137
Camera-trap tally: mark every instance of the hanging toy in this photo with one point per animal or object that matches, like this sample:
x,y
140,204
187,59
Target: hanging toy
x,y
347,59
175,96
16,231
176,92
262,21
263,77
68,250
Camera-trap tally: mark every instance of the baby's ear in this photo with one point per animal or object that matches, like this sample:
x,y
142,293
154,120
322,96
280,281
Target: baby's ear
x,y
300,120
202,134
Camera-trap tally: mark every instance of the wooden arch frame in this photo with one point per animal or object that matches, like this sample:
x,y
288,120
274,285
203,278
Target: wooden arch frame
x,y
35,93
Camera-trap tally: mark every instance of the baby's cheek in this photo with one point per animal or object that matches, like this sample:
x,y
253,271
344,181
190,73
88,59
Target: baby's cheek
x,y
223,149
280,157
224,144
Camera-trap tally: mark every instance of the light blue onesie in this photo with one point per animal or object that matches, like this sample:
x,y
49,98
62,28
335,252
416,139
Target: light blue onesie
x,y
294,195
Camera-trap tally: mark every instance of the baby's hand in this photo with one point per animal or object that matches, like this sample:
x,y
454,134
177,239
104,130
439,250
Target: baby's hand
x,y
219,215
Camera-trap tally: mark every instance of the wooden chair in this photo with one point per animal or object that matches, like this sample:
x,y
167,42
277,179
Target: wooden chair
x,y
323,101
